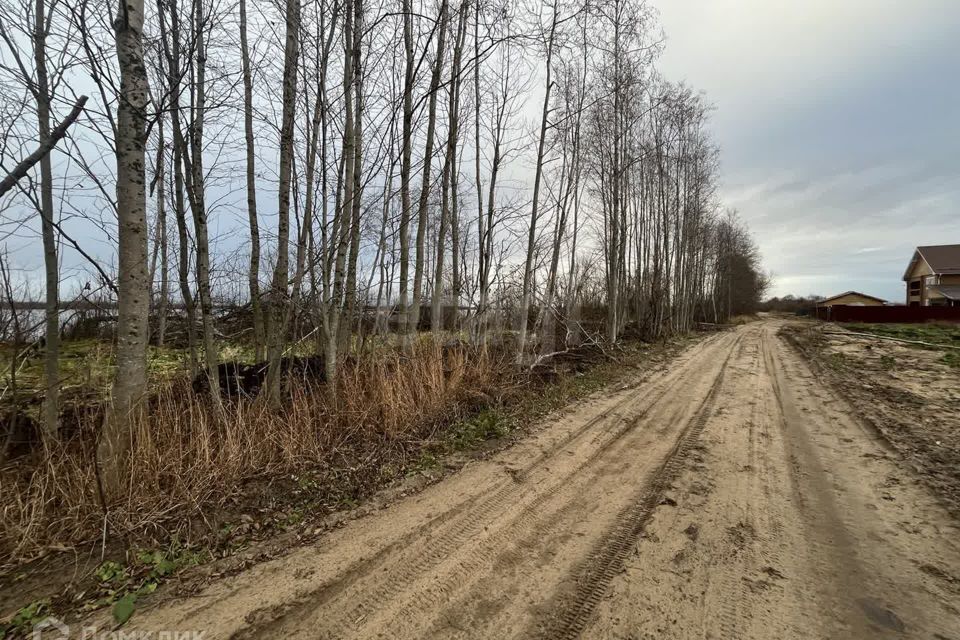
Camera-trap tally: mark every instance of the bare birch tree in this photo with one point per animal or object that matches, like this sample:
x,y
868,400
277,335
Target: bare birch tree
x,y
133,279
34,24
253,276
276,331
537,178
422,209
448,187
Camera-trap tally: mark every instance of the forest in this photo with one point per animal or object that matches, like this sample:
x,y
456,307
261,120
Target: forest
x,y
254,237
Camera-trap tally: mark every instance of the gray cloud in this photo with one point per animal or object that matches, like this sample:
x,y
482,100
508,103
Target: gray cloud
x,y
838,126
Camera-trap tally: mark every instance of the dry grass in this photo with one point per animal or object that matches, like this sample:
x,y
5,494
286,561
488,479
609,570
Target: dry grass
x,y
185,463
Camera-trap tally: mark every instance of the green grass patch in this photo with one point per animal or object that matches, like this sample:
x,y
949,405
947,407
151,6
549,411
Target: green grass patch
x,y
837,360
24,619
120,586
936,333
486,425
88,365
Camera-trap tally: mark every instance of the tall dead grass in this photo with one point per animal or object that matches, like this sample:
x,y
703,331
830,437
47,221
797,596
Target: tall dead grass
x,y
185,462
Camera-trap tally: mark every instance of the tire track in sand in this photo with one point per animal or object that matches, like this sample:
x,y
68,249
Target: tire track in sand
x,y
479,510
607,559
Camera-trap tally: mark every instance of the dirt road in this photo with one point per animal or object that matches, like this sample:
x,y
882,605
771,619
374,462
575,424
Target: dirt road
x,y
729,496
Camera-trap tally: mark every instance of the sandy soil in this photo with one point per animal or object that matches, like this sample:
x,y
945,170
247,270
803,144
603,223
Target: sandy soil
x,y
729,496
911,396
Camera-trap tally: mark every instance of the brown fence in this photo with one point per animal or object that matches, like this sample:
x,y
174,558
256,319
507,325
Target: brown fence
x,y
904,314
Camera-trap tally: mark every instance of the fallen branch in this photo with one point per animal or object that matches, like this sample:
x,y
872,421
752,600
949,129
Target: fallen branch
x,y
571,350
879,337
713,326
56,135
545,356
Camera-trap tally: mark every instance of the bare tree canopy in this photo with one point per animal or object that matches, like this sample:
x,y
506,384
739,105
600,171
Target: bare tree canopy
x,y
323,176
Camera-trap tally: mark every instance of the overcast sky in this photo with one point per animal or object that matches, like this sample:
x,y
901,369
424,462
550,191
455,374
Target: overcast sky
x,y
839,122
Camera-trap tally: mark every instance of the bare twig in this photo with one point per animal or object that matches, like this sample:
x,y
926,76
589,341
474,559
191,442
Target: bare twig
x,y
24,166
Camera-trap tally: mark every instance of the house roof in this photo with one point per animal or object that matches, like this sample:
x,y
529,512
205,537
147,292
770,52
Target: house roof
x,y
949,291
941,258
826,301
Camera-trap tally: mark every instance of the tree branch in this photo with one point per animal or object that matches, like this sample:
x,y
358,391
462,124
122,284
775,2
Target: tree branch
x,y
55,136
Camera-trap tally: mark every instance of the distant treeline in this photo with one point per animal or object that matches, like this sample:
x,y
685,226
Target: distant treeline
x,y
801,305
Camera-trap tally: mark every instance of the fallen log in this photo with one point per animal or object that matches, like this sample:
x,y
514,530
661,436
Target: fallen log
x,y
712,326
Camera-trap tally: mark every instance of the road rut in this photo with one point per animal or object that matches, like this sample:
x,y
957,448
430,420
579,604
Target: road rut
x,y
731,495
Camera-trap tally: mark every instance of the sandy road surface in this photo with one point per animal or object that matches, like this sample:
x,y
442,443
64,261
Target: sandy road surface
x,y
728,496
